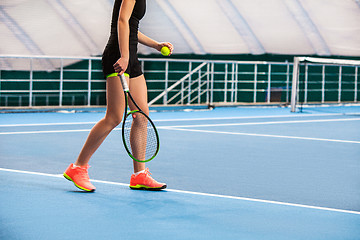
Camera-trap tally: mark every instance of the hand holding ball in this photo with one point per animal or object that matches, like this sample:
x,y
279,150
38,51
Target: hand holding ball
x,y
165,51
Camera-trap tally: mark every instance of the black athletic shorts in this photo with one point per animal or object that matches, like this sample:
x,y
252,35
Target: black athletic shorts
x,y
111,55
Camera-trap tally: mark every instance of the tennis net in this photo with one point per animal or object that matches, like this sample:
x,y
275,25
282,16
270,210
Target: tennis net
x,y
324,81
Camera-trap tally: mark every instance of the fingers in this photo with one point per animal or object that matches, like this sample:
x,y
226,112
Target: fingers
x,y
169,45
120,66
117,68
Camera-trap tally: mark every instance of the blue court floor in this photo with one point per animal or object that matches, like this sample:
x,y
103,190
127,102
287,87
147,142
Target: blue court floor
x,y
232,173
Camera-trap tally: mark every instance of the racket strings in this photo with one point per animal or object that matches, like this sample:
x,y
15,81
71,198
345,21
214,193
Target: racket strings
x,y
140,136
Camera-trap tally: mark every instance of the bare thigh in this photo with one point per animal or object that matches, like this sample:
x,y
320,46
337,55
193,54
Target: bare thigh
x,y
115,100
138,90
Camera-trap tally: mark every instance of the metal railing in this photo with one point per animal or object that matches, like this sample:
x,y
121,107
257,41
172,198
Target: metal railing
x,y
179,82
79,81
32,83
225,82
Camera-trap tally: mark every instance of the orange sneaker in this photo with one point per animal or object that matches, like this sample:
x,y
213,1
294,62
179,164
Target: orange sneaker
x,y
79,176
143,181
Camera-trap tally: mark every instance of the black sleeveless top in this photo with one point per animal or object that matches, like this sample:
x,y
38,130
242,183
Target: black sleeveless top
x,y
137,14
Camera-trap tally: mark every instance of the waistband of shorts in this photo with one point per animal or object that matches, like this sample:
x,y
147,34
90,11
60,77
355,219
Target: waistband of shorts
x,y
116,74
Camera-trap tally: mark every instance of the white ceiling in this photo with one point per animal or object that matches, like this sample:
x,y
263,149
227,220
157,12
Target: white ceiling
x,y
81,27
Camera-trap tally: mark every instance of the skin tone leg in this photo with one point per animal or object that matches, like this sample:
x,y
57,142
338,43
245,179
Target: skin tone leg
x,y
138,91
138,136
113,116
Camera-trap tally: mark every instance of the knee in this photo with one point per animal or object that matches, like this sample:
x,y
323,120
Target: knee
x,y
113,121
139,119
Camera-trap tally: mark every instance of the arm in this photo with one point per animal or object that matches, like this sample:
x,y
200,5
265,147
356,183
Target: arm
x,y
145,40
126,10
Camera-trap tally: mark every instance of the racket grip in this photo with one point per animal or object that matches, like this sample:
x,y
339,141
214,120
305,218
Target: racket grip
x,y
124,82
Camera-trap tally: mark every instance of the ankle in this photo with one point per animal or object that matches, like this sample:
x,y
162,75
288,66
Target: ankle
x,y
77,165
137,173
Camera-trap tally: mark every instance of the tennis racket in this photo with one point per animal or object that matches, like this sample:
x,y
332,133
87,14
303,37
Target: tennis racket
x,y
139,134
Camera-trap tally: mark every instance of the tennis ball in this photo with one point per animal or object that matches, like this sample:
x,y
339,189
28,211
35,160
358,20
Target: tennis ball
x,y
165,51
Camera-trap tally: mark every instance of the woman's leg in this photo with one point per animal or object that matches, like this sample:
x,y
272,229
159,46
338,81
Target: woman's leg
x,y
138,91
141,180
113,116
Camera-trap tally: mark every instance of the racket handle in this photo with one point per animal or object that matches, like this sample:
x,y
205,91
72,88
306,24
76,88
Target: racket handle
x,y
124,82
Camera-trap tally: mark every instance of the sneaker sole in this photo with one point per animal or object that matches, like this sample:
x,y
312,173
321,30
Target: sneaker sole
x,y
143,187
82,188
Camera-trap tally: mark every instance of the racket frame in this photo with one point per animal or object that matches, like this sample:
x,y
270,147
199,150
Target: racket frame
x,y
127,95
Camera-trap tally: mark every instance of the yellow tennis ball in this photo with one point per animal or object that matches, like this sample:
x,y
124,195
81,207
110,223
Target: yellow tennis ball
x,y
165,51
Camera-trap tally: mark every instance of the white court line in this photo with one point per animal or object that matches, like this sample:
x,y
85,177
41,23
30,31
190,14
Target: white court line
x,y
50,131
46,124
266,123
181,127
199,193
181,119
261,135
256,117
